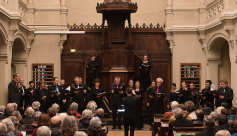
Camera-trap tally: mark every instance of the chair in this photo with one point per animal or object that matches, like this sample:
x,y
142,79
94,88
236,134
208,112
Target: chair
x,y
189,131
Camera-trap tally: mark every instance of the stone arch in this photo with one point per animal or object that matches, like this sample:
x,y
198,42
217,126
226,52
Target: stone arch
x,y
3,32
21,38
215,37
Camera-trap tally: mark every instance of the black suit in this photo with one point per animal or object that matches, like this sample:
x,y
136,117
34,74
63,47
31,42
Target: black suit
x,y
157,102
209,131
179,122
228,96
129,117
43,102
13,93
55,99
22,100
25,121
64,95
195,97
29,97
90,73
209,97
94,97
117,101
187,96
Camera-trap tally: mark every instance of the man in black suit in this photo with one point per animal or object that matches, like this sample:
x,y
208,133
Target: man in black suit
x,y
23,96
207,94
226,93
194,93
30,94
13,91
117,92
91,69
179,122
54,87
129,117
157,94
209,125
64,96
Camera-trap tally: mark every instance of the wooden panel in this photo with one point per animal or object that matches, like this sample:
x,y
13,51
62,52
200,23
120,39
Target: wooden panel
x,y
90,42
142,42
78,43
154,43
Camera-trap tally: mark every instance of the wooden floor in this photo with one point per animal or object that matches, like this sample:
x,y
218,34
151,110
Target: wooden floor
x,y
137,133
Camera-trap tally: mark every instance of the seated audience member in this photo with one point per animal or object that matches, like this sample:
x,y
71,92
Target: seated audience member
x,y
8,112
95,130
225,112
200,116
14,106
15,121
36,117
214,114
209,125
55,125
62,116
52,112
74,108
69,126
179,122
222,122
185,113
223,133
43,131
44,120
233,128
80,133
27,120
225,105
100,113
191,109
17,114
2,110
173,105
85,119
91,105
95,120
233,112
10,126
36,105
3,129
55,105
218,110
207,108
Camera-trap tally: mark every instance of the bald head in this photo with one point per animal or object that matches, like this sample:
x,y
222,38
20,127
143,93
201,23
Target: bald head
x,y
10,105
30,112
55,121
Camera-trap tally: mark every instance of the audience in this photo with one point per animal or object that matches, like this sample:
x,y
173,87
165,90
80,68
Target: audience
x,y
214,114
168,114
185,113
16,125
36,105
3,129
223,133
69,126
62,116
91,105
225,112
84,121
191,109
14,106
179,122
225,105
207,108
80,133
209,125
100,113
233,112
28,119
56,106
2,110
73,109
95,120
218,110
44,120
10,127
17,114
233,128
43,131
222,122
200,116
95,130
36,117
55,125
52,111
8,112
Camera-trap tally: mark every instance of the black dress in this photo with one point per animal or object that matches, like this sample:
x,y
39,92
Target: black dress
x,y
139,105
187,96
209,97
173,97
94,97
64,95
90,73
43,102
145,78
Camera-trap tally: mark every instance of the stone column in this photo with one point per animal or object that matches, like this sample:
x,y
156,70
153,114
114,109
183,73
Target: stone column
x,y
212,71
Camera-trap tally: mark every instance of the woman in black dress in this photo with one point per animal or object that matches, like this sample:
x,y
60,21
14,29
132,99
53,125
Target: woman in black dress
x,y
41,96
173,94
145,69
95,90
139,92
185,93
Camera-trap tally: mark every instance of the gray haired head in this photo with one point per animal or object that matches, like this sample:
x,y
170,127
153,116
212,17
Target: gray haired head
x,y
43,131
178,113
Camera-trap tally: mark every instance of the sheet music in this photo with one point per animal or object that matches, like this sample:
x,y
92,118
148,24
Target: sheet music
x,y
68,88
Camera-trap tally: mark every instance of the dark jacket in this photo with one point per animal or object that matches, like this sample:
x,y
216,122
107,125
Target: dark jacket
x,y
223,127
56,132
173,97
207,110
29,97
195,98
91,65
55,99
38,96
209,131
25,121
228,96
84,123
79,98
117,98
13,93
187,96
209,96
157,101
180,122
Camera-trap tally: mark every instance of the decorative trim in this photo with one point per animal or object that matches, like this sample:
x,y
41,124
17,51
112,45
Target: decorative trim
x,y
214,8
59,32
